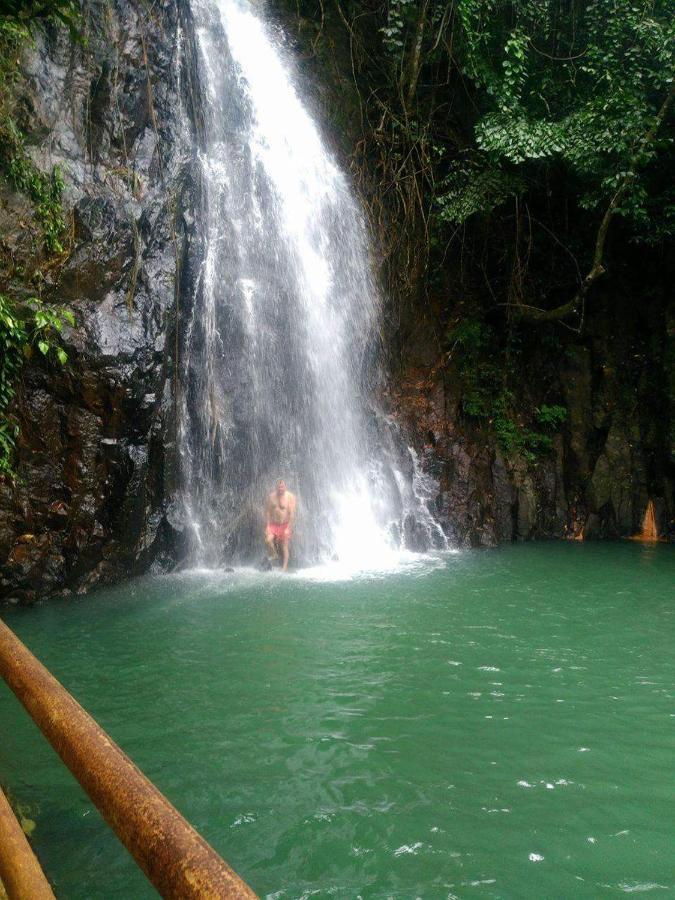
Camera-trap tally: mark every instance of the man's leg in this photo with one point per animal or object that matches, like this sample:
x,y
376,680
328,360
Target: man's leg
x,y
271,547
284,551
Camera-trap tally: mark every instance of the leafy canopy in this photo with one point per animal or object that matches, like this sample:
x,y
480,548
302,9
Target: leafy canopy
x,y
580,85
30,12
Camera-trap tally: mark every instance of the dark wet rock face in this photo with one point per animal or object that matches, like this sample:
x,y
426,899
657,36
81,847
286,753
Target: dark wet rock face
x,y
610,457
96,447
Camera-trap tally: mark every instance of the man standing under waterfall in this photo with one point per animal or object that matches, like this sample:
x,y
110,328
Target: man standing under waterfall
x,y
280,515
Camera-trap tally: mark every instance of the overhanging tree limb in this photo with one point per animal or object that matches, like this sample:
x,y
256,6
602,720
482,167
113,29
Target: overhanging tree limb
x,y
597,267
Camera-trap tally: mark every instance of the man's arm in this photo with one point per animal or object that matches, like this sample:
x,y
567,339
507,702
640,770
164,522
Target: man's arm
x,y
291,511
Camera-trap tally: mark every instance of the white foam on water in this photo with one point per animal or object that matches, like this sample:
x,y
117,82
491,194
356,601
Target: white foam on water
x,y
401,562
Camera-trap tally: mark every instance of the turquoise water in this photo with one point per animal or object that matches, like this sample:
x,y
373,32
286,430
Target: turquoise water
x,y
501,725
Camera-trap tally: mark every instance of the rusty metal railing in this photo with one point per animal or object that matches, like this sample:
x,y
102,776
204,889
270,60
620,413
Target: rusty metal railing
x,y
20,872
175,858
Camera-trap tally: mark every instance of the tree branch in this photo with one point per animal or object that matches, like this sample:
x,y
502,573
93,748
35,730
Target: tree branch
x,y
597,267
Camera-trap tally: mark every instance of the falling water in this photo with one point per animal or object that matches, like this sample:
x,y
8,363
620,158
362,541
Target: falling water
x,y
280,351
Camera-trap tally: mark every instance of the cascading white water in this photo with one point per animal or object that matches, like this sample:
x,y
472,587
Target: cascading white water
x,y
280,347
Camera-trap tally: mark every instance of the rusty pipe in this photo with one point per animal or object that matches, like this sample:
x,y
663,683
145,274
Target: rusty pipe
x,y
20,872
175,858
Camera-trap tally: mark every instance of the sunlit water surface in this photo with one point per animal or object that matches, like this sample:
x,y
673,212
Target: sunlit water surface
x,y
491,724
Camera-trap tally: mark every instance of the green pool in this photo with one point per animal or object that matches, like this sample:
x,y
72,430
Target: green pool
x,y
489,724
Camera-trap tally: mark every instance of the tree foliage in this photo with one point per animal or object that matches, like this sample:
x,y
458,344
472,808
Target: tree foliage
x,y
34,12
23,331
511,152
549,118
583,86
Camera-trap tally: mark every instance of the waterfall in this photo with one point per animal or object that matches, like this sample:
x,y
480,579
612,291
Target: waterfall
x,y
279,355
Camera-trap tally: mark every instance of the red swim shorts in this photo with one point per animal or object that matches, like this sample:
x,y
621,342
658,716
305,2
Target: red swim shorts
x,y
280,532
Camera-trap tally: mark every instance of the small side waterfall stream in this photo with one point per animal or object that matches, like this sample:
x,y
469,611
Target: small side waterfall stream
x,y
280,350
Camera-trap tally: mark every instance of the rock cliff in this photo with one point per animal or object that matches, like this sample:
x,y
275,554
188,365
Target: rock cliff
x,y
96,449
610,456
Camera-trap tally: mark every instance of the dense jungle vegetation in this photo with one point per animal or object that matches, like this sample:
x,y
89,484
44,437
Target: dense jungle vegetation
x,y
552,116
513,155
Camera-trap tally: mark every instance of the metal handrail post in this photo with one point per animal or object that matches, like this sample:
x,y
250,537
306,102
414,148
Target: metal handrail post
x,y
20,872
176,859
